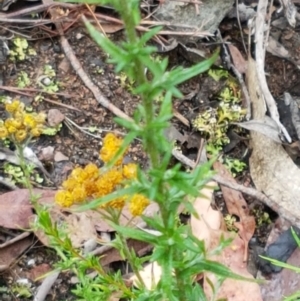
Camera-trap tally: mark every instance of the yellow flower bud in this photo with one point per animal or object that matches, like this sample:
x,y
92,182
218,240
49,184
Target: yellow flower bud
x,y
10,125
40,118
130,171
92,171
78,174
64,198
3,132
117,203
137,205
12,107
70,184
20,135
111,145
29,121
79,194
36,131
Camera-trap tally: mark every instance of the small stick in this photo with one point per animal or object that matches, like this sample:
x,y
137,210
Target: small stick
x,y
18,91
35,9
15,239
260,66
45,287
181,118
13,89
71,122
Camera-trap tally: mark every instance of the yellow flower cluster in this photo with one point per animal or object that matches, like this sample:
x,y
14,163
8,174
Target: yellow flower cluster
x,y
92,182
111,145
21,125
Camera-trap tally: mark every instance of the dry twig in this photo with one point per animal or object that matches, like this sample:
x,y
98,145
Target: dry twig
x,y
260,50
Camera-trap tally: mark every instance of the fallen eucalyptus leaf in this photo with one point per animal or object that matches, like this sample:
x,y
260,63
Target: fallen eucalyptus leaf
x,y
266,127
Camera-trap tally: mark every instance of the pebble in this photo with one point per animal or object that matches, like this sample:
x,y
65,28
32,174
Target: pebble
x,y
46,81
31,262
79,36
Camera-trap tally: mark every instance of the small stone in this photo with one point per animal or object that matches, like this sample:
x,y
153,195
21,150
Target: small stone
x,y
55,117
79,36
31,262
46,81
47,153
64,65
59,156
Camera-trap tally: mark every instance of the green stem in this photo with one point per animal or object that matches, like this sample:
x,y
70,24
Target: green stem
x,y
150,144
130,260
25,169
148,103
115,218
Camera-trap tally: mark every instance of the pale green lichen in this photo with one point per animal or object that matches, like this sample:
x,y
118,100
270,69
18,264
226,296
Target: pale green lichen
x,y
214,122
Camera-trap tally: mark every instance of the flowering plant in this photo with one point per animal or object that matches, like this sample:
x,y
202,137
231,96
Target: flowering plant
x,y
21,126
179,254
92,182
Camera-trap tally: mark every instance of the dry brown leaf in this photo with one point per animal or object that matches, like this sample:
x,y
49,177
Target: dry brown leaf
x,y
9,254
238,60
111,28
232,256
237,205
208,219
15,208
80,228
231,289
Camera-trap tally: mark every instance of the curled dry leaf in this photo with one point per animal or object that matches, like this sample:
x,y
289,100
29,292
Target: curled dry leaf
x,y
267,127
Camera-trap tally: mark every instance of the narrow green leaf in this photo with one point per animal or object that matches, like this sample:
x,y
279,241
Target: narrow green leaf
x,y
148,35
296,237
136,234
218,269
188,73
281,264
